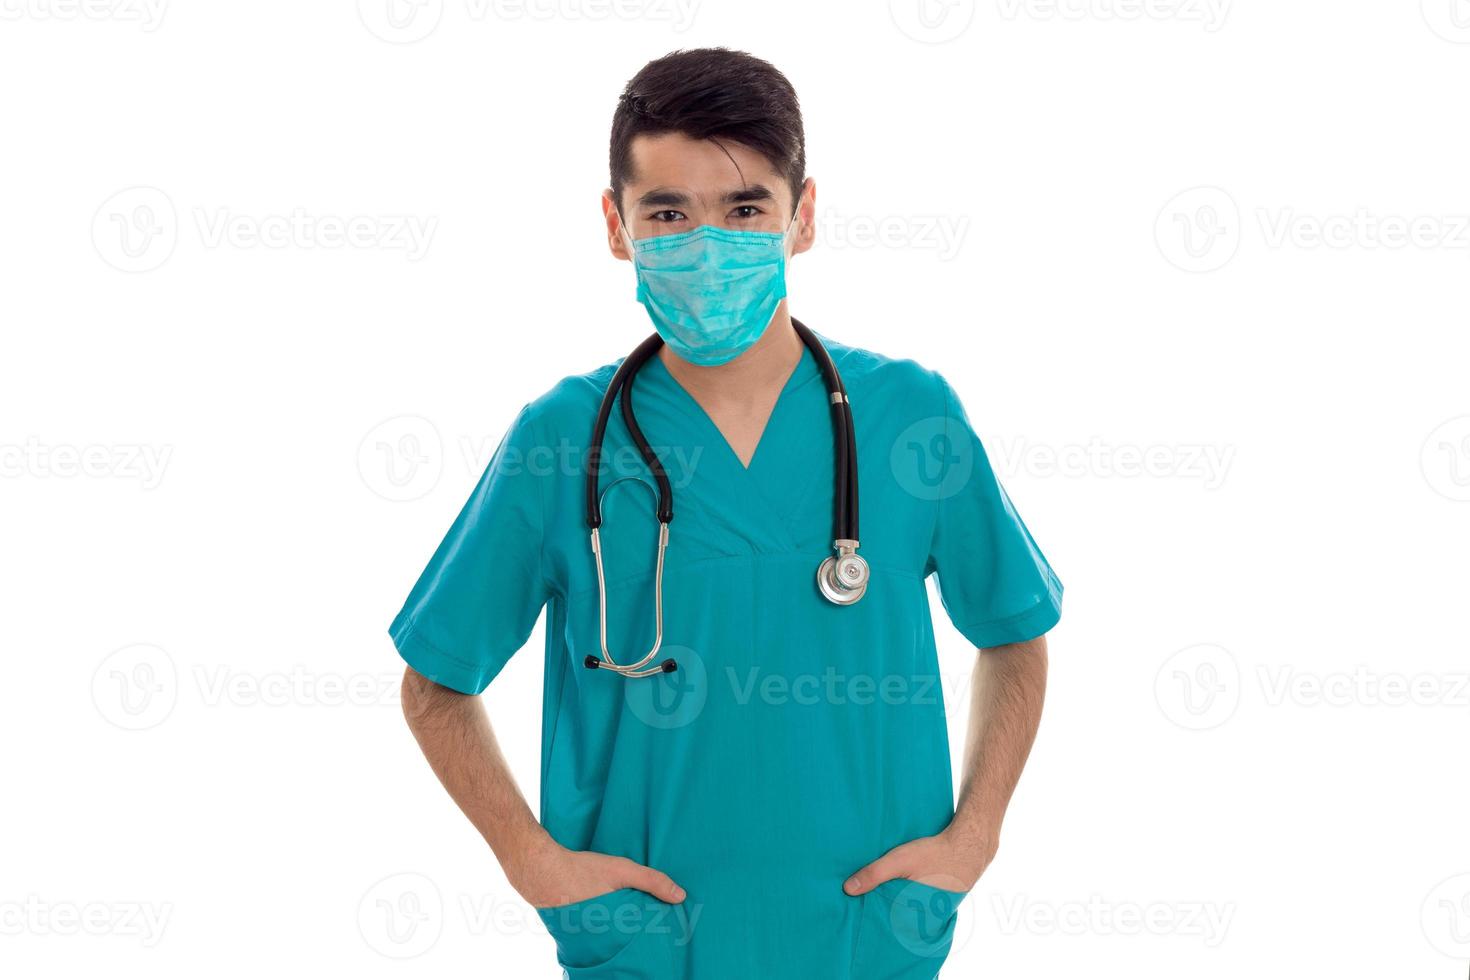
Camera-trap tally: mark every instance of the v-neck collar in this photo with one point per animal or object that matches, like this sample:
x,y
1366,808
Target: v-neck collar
x,y
804,371
767,506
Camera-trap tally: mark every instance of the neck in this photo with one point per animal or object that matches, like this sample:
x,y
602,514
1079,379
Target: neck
x,y
766,365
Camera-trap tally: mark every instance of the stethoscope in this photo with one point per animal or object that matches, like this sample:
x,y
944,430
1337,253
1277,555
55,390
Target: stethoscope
x,y
842,577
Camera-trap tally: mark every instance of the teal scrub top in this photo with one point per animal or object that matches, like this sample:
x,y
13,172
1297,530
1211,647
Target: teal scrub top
x,y
798,740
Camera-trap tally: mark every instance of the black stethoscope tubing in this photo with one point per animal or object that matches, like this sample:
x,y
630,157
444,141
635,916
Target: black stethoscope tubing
x,y
620,389
842,579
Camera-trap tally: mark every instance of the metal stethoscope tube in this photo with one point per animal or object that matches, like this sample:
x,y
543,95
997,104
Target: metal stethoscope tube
x,y
641,668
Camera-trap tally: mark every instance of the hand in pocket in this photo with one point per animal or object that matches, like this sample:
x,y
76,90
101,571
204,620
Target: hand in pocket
x,y
552,875
945,861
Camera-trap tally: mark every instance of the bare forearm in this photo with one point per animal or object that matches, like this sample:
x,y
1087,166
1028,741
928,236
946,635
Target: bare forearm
x,y
455,735
1007,691
1005,708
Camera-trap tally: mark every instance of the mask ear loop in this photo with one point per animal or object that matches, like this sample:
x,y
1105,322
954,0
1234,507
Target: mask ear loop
x,y
629,244
789,238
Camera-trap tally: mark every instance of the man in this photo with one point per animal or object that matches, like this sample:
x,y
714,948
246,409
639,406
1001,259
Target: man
x,y
771,795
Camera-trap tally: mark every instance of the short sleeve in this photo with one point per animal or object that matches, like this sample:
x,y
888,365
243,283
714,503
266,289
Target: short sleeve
x,y
479,598
995,583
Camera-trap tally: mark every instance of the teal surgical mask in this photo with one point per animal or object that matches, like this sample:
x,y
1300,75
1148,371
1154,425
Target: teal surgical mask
x,y
711,292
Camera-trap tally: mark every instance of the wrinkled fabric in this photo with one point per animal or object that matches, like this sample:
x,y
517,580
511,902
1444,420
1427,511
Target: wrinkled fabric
x,y
798,740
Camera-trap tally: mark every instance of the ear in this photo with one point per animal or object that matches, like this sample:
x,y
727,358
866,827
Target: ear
x,y
806,217
614,222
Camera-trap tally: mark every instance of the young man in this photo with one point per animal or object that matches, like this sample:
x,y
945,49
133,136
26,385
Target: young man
x,y
745,770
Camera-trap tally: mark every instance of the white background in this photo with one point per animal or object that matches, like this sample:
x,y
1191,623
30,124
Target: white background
x,y
1227,240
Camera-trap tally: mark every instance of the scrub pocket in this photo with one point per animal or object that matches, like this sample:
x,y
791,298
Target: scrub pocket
x,y
623,935
905,931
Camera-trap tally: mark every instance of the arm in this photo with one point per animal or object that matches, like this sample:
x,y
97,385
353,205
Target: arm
x,y
454,733
1007,690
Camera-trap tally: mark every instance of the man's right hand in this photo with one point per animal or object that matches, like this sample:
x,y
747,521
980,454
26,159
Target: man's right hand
x,y
456,737
548,875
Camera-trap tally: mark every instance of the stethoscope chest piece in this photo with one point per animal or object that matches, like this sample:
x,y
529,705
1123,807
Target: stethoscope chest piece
x,y
843,578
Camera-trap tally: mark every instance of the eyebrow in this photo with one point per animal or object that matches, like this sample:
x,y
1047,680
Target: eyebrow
x,y
668,198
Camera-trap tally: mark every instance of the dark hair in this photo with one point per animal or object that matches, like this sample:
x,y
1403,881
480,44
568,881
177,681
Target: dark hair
x,y
711,93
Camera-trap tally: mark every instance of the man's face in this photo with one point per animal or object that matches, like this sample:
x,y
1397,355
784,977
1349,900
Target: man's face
x,y
679,184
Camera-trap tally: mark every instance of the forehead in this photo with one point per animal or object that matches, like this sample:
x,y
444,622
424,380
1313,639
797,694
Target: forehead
x,y
673,160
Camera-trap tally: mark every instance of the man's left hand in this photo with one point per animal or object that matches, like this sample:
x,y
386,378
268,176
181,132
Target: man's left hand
x,y
952,860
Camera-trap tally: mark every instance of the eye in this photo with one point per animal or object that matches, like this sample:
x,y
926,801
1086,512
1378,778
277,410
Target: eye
x,y
746,211
665,216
